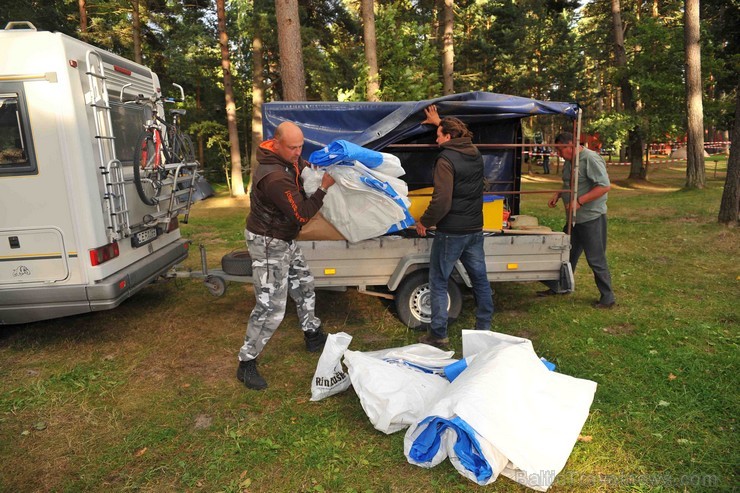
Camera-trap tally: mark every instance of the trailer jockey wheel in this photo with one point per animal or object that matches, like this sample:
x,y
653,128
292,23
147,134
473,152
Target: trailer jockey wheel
x,y
414,304
215,285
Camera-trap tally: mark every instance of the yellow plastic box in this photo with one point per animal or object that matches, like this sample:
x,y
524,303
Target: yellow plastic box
x,y
419,201
493,212
493,207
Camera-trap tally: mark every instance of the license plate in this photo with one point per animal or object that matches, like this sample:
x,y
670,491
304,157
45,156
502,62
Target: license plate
x,y
144,237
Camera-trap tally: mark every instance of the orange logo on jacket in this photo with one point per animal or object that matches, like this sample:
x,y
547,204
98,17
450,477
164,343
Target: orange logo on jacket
x,y
294,206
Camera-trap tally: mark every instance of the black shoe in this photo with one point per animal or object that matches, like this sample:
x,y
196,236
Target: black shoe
x,y
247,373
315,340
438,342
604,306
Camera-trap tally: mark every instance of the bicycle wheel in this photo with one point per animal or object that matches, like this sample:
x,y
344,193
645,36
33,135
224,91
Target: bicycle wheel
x,y
148,168
182,149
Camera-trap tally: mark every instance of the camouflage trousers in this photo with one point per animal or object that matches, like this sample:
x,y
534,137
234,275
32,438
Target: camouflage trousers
x,y
278,270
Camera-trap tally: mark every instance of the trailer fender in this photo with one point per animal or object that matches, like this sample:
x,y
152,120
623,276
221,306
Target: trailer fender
x,y
411,263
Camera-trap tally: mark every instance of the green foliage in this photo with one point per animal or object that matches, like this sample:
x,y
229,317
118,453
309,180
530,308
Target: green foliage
x,y
407,57
550,50
612,129
216,137
45,15
525,48
658,79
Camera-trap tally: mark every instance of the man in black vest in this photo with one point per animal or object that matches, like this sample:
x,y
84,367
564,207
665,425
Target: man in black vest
x,y
456,210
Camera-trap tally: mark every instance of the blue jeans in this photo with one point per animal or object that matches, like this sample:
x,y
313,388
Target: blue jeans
x,y
447,249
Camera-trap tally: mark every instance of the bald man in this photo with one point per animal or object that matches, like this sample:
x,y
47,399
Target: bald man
x,y
279,209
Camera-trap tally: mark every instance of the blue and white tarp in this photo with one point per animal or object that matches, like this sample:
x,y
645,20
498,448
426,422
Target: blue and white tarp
x,y
364,203
393,391
498,411
506,413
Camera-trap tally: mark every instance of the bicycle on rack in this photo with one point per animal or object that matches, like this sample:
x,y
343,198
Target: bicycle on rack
x,y
158,153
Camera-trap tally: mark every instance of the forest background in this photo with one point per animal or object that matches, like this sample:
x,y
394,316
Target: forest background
x,y
625,62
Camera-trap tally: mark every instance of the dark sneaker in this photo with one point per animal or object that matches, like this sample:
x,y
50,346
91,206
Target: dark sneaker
x,y
315,340
438,342
604,306
247,374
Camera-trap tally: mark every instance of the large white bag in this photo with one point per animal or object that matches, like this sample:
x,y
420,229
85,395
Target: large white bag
x,y
329,378
393,396
524,418
355,209
422,357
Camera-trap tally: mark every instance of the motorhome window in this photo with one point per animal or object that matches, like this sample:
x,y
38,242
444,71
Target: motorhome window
x,y
16,153
128,122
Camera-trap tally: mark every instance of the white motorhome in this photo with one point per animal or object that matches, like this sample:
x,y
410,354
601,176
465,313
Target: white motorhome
x,y
75,236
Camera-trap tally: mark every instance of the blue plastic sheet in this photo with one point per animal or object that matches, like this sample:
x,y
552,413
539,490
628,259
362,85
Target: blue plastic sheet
x,y
453,371
467,447
341,151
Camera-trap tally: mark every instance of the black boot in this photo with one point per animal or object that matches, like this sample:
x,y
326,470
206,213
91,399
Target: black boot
x,y
315,340
248,374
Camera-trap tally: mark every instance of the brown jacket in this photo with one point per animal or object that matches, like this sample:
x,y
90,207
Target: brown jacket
x,y
279,203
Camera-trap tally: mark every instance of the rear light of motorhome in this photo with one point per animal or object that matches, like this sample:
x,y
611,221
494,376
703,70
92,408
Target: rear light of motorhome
x,y
173,224
121,70
104,253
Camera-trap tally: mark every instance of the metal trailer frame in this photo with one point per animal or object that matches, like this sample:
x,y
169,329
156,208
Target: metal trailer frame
x,y
394,267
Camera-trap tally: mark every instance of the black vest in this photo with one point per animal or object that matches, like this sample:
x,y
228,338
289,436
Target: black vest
x,y
466,211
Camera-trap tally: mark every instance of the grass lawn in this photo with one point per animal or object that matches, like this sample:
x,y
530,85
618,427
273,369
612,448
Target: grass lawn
x,y
144,397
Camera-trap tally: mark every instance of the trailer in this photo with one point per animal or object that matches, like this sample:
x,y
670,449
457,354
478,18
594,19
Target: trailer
x,y
396,266
75,236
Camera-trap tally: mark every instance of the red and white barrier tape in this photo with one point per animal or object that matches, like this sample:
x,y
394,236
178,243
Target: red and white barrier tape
x,y
653,163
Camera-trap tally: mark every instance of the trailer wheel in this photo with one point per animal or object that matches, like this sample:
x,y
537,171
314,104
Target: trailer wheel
x,y
238,263
215,285
414,304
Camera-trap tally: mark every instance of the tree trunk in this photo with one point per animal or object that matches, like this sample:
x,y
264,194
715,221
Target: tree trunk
x,y
258,97
448,51
634,137
136,30
292,72
695,175
83,16
237,182
371,54
729,208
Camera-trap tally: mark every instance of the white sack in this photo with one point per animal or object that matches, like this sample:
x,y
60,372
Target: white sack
x,y
391,166
392,396
357,211
518,408
330,378
420,356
